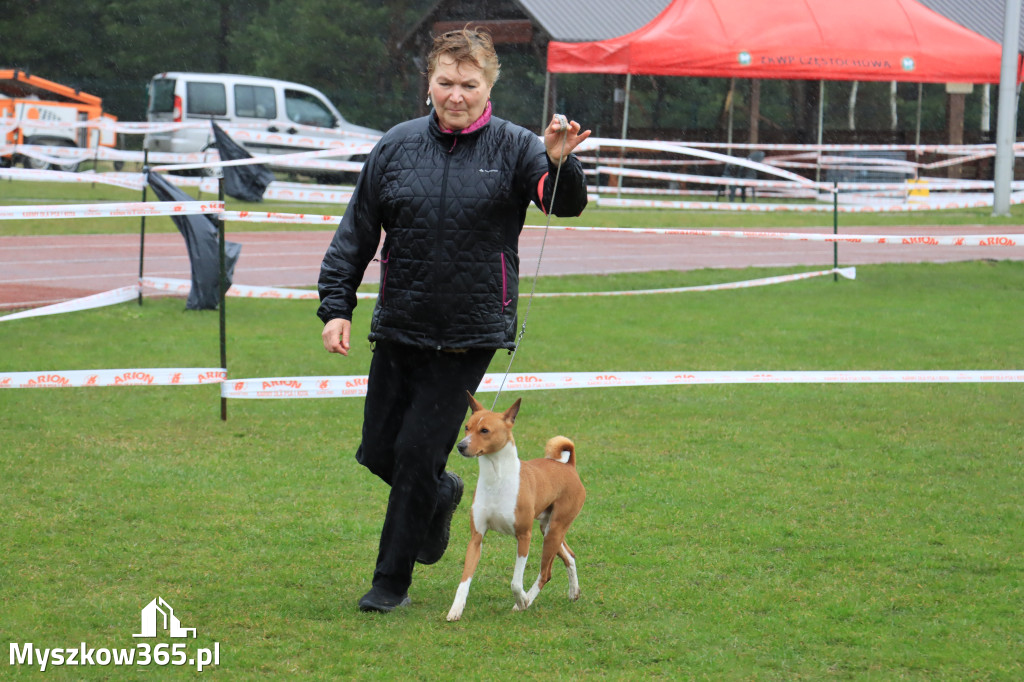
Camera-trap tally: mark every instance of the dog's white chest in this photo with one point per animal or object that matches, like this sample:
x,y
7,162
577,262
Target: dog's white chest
x,y
494,505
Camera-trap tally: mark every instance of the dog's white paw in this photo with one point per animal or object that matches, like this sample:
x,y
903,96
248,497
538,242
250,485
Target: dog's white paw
x,y
454,615
523,602
574,592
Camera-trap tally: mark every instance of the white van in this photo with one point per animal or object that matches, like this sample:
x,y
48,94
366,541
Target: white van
x,y
265,105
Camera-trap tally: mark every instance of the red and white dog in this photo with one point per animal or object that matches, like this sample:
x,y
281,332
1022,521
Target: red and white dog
x,y
511,493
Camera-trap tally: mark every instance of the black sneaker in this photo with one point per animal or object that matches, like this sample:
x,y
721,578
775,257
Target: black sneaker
x,y
382,601
440,529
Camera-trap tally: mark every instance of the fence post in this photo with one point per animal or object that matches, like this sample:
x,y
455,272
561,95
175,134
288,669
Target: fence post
x,y
223,297
142,220
835,229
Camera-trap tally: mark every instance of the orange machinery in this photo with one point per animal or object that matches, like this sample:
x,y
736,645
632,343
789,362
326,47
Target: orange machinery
x,y
26,101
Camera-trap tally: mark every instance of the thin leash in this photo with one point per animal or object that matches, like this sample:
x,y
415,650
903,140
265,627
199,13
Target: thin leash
x,y
529,302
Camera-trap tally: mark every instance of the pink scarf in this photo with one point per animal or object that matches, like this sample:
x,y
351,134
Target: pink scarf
x,y
476,125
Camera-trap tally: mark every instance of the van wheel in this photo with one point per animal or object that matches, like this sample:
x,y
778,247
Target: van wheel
x,y
38,164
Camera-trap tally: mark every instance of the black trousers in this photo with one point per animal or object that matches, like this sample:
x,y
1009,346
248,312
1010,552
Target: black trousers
x,y
415,407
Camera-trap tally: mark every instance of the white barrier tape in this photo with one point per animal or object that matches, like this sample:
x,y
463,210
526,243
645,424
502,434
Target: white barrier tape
x,y
183,286
8,124
867,162
790,192
686,177
304,159
957,160
924,240
629,168
140,127
82,378
308,193
112,297
678,148
174,286
56,158
317,164
282,293
287,218
355,386
848,273
189,161
276,191
637,162
112,210
903,240
340,146
61,155
126,180
919,149
166,208
945,204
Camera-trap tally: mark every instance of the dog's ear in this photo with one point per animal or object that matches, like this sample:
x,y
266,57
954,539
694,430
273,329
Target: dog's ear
x,y
474,404
510,413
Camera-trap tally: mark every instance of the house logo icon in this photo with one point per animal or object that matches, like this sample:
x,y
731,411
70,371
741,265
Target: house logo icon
x,y
158,613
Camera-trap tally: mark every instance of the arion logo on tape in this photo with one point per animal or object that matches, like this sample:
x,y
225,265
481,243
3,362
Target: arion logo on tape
x,y
278,383
134,378
49,380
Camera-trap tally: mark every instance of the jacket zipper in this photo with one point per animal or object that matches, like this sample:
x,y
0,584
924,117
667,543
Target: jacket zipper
x,y
439,238
504,284
384,280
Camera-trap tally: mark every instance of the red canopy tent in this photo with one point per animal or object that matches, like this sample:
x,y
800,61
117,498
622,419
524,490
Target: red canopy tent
x,y
866,40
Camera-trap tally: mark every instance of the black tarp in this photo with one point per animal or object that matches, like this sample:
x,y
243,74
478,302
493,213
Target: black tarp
x,y
248,182
201,239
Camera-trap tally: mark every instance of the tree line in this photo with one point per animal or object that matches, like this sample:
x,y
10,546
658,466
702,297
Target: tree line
x,y
347,49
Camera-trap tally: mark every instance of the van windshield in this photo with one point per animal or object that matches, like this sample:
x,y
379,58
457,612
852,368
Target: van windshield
x,y
306,109
161,96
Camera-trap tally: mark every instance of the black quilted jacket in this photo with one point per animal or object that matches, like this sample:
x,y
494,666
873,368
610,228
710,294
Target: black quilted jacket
x,y
452,207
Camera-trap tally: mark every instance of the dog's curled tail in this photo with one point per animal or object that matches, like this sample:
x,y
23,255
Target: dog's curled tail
x,y
561,449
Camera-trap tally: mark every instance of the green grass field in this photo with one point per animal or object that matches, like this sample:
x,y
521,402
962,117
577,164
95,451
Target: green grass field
x,y
761,532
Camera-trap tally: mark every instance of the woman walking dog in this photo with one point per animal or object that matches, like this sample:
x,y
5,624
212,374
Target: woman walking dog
x,y
450,190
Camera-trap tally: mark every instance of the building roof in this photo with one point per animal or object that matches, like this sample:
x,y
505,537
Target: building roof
x,y
592,20
981,16
586,20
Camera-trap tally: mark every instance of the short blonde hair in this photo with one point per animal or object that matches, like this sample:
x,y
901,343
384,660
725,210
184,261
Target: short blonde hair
x,y
466,46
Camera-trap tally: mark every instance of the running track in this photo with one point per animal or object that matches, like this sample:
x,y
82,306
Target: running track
x,y
40,270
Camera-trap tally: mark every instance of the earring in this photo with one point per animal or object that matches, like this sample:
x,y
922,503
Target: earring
x,y
428,100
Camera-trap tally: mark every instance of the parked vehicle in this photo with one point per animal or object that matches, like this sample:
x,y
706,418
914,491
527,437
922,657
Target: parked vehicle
x,y
27,100
284,117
